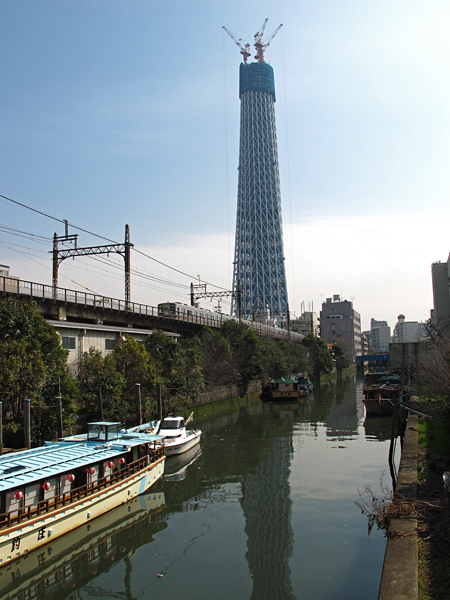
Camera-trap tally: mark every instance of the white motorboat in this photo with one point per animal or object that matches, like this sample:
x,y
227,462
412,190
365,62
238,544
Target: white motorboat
x,y
171,433
174,436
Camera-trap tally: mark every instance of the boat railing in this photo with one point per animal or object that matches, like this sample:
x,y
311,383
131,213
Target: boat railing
x,y
59,501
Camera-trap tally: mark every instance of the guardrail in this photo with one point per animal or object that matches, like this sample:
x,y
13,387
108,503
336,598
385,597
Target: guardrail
x,y
40,291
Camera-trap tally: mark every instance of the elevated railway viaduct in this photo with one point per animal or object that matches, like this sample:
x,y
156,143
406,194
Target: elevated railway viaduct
x,y
62,306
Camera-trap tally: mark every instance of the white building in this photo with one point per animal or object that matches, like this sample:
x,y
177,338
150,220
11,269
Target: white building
x,y
406,332
78,338
380,336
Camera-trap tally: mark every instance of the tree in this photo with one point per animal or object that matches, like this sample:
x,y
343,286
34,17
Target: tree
x,y
136,365
319,358
216,358
433,373
190,368
245,351
275,358
340,358
33,365
99,381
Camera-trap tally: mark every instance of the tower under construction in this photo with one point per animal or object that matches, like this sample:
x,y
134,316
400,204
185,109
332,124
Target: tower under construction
x,y
259,269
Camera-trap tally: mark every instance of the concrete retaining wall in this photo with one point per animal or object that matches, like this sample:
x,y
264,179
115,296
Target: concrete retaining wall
x,y
400,580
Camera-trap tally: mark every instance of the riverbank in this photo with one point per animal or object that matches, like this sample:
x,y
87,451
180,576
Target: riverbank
x,y
417,550
399,580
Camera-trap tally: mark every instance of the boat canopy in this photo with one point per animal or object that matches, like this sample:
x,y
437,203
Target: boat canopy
x,y
29,466
284,380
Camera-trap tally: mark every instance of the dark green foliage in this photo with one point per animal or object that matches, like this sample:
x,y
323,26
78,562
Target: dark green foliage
x,y
246,357
135,365
216,358
179,368
33,365
98,378
339,358
319,357
190,368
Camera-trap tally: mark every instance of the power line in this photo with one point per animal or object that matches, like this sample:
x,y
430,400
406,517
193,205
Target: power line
x,y
107,239
12,231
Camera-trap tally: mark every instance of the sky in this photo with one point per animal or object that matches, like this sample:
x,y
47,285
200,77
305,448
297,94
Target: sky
x,y
119,112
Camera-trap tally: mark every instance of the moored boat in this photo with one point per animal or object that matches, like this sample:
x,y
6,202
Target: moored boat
x,y
283,389
175,437
172,435
380,399
305,383
47,491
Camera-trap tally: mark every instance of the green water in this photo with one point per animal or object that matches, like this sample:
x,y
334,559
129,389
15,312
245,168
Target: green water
x,y
265,511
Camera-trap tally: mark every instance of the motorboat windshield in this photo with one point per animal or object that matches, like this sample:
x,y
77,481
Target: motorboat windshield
x,y
172,424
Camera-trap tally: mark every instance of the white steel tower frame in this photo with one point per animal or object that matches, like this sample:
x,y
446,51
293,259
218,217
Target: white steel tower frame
x,y
259,256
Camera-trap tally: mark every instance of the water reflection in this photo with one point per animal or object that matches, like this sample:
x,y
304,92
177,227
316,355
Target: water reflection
x,y
79,557
265,511
176,466
267,508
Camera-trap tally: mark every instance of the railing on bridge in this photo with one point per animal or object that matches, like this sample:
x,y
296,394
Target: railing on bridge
x,y
40,291
47,292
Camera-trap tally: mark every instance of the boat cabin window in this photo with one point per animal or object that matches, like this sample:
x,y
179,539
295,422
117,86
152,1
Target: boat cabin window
x,y
172,424
104,432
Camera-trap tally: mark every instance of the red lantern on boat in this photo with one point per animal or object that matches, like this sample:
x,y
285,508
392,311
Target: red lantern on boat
x,y
122,461
71,477
91,470
46,485
111,464
19,495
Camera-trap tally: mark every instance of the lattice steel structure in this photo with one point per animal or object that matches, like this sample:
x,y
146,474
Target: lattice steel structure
x,y
259,256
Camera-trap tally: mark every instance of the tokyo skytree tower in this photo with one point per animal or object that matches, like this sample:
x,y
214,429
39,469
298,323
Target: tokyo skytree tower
x,y
259,269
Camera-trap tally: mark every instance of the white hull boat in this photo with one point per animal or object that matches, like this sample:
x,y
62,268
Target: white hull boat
x,y
172,434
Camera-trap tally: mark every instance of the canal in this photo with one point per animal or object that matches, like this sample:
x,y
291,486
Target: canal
x,y
264,510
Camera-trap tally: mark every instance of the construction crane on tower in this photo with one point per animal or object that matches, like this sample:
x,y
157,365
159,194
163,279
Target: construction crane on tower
x,y
260,46
244,48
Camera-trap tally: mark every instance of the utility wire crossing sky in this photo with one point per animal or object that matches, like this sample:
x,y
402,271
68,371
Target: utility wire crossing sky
x,y
117,113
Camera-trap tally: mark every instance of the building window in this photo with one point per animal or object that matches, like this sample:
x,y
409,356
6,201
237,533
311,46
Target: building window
x,y
69,343
109,344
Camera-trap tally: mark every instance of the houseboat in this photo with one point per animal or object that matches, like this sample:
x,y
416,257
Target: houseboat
x,y
284,389
46,492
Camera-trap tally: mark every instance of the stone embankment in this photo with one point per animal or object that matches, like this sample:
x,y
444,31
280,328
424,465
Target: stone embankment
x,y
399,579
225,392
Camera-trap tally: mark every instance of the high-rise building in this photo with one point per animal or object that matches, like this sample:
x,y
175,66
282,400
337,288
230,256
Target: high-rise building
x,y
259,269
340,322
440,273
380,335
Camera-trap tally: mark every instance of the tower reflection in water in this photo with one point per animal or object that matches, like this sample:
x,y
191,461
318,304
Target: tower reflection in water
x,y
267,508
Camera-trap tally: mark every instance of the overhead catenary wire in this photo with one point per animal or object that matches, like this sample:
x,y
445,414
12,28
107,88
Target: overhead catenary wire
x,y
109,240
84,269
